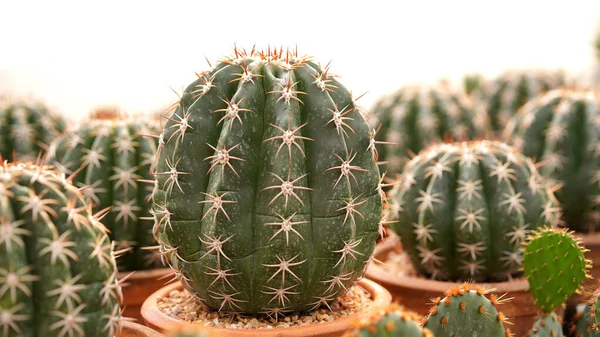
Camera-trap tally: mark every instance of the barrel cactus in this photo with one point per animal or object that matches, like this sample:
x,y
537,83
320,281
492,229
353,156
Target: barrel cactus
x,y
466,311
26,129
561,130
57,265
418,115
388,322
462,210
267,196
112,161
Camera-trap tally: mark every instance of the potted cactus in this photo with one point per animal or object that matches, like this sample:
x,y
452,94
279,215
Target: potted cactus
x,y
462,211
26,128
561,130
388,322
109,158
267,197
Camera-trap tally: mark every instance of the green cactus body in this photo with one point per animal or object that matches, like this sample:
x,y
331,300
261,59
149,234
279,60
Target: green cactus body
x,y
113,161
26,129
416,116
389,322
463,210
595,306
547,325
503,96
562,130
267,196
466,312
57,266
584,324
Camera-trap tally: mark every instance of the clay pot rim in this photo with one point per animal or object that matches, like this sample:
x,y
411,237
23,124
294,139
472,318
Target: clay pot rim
x,y
589,239
145,274
131,329
383,277
162,322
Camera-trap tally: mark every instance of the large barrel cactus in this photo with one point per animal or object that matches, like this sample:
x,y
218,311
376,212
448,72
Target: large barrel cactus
x,y
26,129
561,130
112,162
463,210
417,116
267,196
57,265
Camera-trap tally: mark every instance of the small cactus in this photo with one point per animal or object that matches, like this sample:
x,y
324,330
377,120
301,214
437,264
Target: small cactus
x,y
267,196
57,265
462,210
466,311
26,129
584,323
389,322
547,325
561,129
112,162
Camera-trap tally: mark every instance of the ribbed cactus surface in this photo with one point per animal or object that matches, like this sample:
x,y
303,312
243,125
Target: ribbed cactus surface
x,y
57,265
267,196
111,159
466,311
561,129
389,322
462,210
417,116
547,325
26,129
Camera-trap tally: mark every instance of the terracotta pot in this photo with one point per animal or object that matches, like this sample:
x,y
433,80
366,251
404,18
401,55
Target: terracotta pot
x,y
156,319
414,293
139,286
136,330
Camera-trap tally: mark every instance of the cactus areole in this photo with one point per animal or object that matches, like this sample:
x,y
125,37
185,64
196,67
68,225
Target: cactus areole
x,y
267,197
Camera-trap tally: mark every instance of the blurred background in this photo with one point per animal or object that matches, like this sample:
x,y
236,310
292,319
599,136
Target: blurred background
x,y
77,55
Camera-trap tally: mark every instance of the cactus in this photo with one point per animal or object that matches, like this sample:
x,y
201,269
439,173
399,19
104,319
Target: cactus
x,y
462,210
561,129
595,306
113,161
418,115
502,97
466,311
547,325
26,128
57,265
584,324
387,322
267,196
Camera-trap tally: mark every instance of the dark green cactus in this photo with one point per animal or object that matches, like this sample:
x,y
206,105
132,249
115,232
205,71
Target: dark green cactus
x,y
561,129
26,129
417,116
113,161
547,325
502,97
267,196
466,311
57,265
584,323
389,322
464,209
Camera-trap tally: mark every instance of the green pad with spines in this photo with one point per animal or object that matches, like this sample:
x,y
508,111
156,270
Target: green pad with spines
x,y
390,322
547,325
267,195
57,265
584,323
554,265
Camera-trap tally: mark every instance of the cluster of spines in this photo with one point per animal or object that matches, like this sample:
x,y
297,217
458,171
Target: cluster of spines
x,y
58,271
228,156
584,322
442,202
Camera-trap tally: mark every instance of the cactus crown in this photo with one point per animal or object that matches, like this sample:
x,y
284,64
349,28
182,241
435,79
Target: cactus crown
x,y
57,265
391,321
554,265
462,210
466,311
267,196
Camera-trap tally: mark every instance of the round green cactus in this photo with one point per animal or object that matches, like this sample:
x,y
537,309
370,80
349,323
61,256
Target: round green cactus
x,y
57,265
547,325
466,311
462,210
112,163
561,129
416,116
388,322
267,196
26,129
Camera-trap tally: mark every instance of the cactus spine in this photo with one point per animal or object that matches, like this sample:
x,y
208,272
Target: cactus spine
x,y
113,161
57,266
267,196
26,129
462,210
562,130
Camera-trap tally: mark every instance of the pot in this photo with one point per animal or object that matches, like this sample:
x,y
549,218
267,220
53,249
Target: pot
x,y
139,286
130,329
160,321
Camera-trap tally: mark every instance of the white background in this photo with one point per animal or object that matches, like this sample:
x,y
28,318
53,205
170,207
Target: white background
x,y
76,55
